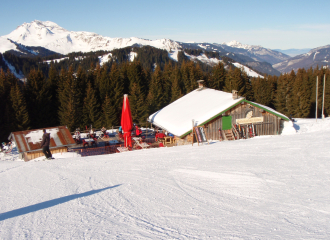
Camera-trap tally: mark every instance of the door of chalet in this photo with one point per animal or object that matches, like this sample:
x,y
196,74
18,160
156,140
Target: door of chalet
x,y
226,122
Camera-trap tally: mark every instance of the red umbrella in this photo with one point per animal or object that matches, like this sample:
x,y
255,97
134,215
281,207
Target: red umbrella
x,y
126,122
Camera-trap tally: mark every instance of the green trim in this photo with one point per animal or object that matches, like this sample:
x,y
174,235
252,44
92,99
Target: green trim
x,y
185,134
243,100
267,110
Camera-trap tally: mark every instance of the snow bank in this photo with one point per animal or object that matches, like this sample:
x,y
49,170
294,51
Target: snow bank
x,y
288,128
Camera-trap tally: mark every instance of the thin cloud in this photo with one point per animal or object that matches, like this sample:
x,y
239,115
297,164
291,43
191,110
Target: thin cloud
x,y
321,27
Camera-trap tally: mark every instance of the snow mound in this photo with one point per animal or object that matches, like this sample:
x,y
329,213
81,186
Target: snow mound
x,y
304,125
288,128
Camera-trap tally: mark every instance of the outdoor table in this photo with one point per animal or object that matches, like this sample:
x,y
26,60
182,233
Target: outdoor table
x,y
168,140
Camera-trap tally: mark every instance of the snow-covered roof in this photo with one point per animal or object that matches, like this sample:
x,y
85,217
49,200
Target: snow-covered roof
x,y
200,105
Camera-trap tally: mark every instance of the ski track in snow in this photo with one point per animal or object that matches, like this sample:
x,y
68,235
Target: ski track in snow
x,y
269,187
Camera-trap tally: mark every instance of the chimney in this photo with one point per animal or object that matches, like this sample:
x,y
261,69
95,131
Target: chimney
x,y
235,94
200,84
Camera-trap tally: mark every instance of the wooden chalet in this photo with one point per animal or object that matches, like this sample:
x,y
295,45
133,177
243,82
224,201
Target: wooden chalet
x,y
221,114
28,141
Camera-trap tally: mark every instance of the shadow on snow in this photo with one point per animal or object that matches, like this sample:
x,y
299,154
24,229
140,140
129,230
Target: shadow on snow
x,y
48,204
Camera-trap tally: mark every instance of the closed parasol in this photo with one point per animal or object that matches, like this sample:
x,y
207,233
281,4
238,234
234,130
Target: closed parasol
x,y
126,122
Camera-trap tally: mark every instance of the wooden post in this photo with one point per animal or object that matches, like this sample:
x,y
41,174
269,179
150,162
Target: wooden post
x,y
206,134
147,128
193,123
317,88
323,98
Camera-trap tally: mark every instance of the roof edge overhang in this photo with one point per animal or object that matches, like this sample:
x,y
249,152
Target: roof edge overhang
x,y
217,115
158,125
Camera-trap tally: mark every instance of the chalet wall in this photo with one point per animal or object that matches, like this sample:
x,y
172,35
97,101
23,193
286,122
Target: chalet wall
x,y
271,125
35,154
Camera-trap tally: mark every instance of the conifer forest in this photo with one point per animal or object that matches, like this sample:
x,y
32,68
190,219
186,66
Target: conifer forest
x,y
85,93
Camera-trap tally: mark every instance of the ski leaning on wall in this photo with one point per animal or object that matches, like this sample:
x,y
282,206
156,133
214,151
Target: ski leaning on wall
x,y
200,134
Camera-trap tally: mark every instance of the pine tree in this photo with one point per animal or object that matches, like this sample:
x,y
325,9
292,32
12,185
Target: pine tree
x,y
68,100
184,72
217,77
263,90
117,93
92,75
137,104
91,109
290,106
327,93
6,116
97,72
281,95
312,84
301,95
190,74
109,116
248,93
195,73
104,83
167,83
136,75
124,77
156,95
52,84
38,100
176,91
235,81
21,119
138,91
80,85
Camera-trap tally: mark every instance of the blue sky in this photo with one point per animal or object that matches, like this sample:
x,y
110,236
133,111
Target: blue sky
x,y
271,24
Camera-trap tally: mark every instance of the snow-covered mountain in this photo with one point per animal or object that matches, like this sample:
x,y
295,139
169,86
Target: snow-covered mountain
x,y
53,37
241,52
257,53
316,57
47,37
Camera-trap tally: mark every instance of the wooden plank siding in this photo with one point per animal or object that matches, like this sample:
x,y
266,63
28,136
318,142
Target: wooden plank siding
x,y
35,154
272,125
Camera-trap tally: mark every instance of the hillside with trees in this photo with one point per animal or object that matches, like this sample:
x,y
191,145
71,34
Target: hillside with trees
x,y
78,94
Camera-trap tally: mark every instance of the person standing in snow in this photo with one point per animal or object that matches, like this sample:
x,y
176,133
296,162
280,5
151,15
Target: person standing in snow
x,y
45,145
138,131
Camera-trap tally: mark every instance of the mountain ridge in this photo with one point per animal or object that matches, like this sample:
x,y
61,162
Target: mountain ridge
x,y
317,57
55,38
